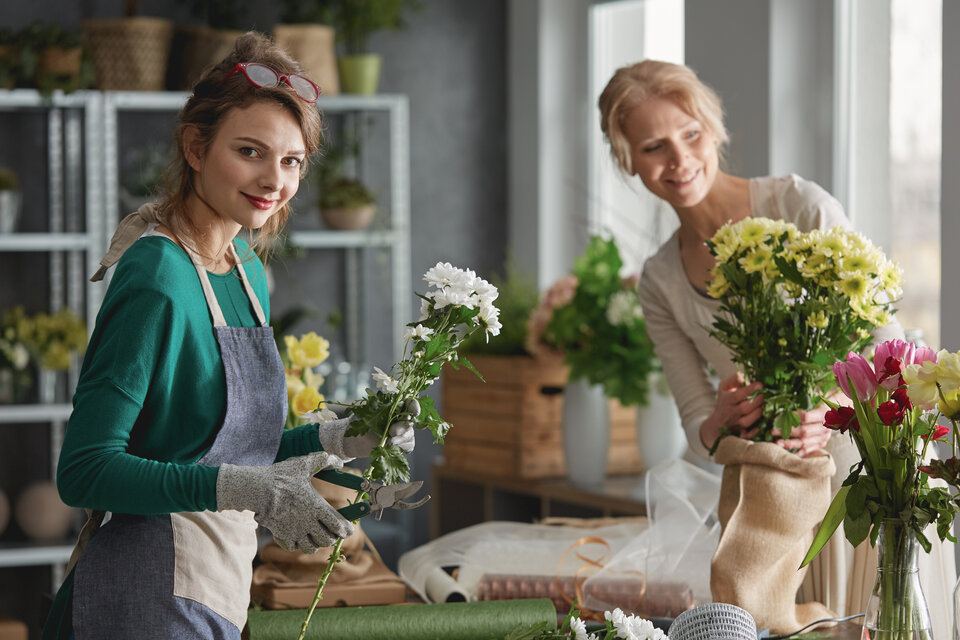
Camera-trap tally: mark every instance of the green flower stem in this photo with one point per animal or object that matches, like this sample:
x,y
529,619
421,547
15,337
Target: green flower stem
x,y
335,557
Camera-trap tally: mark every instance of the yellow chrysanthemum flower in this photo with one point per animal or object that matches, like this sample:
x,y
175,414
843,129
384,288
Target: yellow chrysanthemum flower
x,y
857,262
718,285
832,243
854,285
756,260
753,230
306,400
818,320
294,385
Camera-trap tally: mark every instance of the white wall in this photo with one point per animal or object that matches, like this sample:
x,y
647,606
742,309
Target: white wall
x,y
950,172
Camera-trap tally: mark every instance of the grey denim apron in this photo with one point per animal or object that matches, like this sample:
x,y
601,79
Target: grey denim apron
x,y
188,575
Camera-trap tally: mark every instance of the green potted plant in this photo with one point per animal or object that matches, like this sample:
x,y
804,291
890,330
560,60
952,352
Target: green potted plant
x,y
345,202
52,56
9,59
304,31
355,21
9,200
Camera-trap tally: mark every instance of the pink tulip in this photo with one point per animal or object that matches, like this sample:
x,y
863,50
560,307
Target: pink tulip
x,y
898,349
857,369
923,354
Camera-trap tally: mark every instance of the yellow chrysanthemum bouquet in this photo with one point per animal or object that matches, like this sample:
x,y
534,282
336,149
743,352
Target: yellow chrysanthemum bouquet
x,y
300,359
792,304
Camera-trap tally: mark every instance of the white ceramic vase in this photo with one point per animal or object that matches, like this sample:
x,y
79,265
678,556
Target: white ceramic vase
x,y
660,435
586,433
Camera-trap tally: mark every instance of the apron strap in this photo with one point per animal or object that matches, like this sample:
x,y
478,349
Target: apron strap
x,y
94,520
212,303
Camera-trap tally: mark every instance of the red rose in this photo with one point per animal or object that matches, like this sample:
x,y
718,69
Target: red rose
x,y
901,398
938,432
841,419
891,412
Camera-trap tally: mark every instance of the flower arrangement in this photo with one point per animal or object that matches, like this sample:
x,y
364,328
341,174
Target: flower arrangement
x,y
617,626
457,305
50,339
300,359
898,401
594,318
793,303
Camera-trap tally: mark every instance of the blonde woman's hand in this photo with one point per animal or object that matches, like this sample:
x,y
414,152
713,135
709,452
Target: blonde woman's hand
x,y
811,435
735,410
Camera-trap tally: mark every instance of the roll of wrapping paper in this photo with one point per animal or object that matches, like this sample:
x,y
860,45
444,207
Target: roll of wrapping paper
x,y
442,621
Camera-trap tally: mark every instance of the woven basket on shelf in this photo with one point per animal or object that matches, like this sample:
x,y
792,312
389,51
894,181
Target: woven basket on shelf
x,y
129,54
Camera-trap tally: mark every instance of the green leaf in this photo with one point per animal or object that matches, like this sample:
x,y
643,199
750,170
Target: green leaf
x,y
857,528
834,516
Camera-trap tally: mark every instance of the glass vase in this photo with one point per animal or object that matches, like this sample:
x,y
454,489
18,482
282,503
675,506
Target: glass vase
x,y
897,609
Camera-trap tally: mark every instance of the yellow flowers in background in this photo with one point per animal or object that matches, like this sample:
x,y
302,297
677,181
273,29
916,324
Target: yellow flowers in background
x,y
300,358
49,339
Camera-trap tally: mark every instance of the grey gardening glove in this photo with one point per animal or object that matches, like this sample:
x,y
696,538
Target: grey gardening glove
x,y
401,434
283,500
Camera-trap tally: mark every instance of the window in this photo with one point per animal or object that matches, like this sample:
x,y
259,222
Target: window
x,y
622,33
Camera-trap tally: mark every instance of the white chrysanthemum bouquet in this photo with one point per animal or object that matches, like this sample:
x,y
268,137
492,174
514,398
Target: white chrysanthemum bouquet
x,y
458,304
792,304
617,625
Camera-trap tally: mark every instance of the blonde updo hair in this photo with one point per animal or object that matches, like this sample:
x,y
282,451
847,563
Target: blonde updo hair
x,y
212,101
631,85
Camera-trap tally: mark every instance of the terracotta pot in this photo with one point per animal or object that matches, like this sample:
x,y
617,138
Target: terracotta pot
x,y
58,68
312,45
41,514
344,219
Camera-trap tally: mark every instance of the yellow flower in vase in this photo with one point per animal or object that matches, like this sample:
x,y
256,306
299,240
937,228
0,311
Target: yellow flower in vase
x,y
307,352
303,383
306,400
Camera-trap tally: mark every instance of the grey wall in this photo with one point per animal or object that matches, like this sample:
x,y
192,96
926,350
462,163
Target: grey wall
x,y
451,62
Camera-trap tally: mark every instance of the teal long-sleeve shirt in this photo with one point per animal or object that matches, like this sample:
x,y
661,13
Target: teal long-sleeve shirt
x,y
152,394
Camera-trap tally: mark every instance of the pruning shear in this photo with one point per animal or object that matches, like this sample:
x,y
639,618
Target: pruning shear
x,y
381,496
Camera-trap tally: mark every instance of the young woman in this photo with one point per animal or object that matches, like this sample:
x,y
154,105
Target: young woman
x,y
666,127
177,428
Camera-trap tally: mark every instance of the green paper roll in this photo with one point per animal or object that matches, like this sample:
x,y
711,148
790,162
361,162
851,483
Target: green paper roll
x,y
443,621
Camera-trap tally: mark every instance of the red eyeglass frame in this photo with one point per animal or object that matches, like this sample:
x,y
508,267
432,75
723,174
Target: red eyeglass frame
x,y
242,66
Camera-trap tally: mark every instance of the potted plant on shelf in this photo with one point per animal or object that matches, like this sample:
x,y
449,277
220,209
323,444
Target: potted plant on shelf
x,y
52,57
9,200
355,21
9,59
305,32
129,53
345,202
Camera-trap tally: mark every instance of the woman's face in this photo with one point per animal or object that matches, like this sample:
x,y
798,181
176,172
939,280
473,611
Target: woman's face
x,y
252,167
673,154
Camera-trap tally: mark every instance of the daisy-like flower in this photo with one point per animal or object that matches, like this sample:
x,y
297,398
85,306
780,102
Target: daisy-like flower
x,y
418,332
441,275
756,260
624,308
384,382
320,416
854,285
818,320
489,317
718,284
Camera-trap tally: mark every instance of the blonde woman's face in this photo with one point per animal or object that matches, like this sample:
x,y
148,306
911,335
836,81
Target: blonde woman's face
x,y
673,154
252,167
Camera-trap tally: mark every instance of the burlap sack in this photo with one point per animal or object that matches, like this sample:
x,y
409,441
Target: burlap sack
x,y
771,503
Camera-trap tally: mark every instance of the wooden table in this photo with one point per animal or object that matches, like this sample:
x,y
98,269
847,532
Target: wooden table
x,y
464,498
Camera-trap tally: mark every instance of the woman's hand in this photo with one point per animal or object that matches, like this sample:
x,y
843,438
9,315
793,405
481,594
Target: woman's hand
x,y
735,411
811,435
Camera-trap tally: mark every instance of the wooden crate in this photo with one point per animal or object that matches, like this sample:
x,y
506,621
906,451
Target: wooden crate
x,y
511,424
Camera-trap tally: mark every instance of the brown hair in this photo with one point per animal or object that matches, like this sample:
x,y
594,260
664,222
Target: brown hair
x,y
212,100
631,85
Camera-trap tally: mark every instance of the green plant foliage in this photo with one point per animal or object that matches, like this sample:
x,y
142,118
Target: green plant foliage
x,y
600,346
356,20
345,193
517,300
220,14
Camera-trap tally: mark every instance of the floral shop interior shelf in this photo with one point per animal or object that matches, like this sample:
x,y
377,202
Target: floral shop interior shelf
x,y
790,304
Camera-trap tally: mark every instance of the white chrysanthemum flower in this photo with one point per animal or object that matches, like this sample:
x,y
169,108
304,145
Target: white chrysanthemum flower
x,y
425,307
384,382
320,416
441,275
419,332
489,316
579,629
624,309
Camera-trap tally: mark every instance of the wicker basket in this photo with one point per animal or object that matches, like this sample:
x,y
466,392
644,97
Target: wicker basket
x,y
129,54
